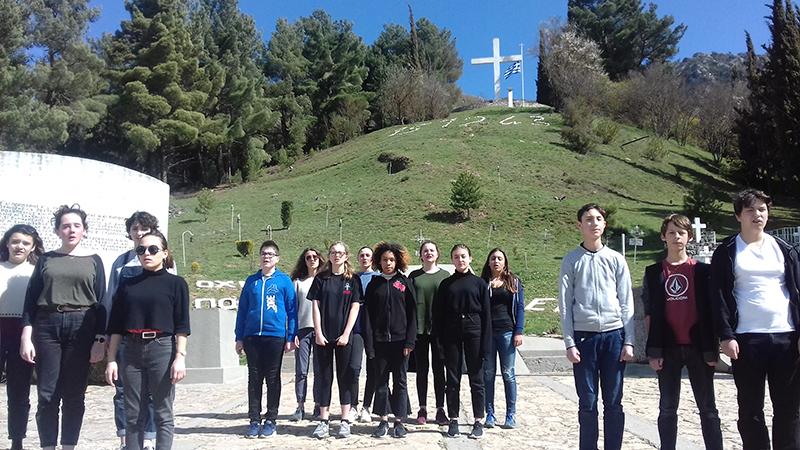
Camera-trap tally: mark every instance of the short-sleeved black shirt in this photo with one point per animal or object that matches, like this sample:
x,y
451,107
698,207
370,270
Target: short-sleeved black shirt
x,y
335,295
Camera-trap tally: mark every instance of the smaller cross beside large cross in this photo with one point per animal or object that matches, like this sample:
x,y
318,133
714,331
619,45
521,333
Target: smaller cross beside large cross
x,y
698,229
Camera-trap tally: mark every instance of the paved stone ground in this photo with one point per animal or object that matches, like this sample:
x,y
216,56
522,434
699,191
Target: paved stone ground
x,y
214,417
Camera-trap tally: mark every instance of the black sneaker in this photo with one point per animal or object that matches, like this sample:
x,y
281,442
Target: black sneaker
x,y
477,431
399,430
452,429
382,431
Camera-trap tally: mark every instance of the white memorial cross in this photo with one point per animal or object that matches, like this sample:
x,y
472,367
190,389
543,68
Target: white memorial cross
x,y
495,60
698,228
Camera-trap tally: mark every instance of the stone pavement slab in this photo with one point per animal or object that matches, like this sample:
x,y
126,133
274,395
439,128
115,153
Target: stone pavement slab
x,y
215,417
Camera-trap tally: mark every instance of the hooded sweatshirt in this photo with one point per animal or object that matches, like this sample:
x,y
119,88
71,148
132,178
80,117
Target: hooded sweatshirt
x,y
267,307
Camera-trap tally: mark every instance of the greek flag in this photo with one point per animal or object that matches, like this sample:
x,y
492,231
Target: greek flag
x,y
514,68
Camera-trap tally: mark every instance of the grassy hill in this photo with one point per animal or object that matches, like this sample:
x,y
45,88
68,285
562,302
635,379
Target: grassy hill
x,y
524,171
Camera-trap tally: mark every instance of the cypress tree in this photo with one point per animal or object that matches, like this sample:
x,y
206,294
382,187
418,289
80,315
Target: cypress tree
x,y
768,125
544,92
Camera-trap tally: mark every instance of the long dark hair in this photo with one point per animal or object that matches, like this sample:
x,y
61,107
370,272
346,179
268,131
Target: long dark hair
x,y
38,245
169,262
508,278
300,271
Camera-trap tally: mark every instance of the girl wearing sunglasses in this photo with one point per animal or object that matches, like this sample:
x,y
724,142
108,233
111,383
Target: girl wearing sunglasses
x,y
151,312
303,274
64,323
20,248
126,266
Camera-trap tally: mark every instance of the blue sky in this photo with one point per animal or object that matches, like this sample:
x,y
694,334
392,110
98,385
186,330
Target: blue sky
x,y
714,26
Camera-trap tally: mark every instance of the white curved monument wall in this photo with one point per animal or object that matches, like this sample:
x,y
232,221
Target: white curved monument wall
x,y
34,185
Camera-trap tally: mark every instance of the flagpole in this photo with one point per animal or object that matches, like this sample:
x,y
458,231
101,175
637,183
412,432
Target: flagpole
x,y
522,72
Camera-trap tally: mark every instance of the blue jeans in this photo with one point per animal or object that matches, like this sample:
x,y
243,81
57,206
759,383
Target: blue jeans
x,y
502,344
119,403
600,362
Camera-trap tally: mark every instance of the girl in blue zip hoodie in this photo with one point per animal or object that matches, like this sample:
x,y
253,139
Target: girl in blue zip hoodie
x,y
266,324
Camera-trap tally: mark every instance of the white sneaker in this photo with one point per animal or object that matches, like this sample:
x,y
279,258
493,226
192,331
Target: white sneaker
x,y
365,416
149,444
352,415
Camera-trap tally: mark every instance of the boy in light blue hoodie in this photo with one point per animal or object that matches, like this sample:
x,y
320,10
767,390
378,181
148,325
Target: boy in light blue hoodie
x,y
266,324
596,305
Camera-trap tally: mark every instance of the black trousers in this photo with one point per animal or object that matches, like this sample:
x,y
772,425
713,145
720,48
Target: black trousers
x,y
369,384
772,357
464,347
356,356
701,377
423,364
18,377
325,357
63,343
264,358
389,358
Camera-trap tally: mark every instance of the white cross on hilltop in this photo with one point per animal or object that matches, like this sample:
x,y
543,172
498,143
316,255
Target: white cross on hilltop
x,y
495,60
698,228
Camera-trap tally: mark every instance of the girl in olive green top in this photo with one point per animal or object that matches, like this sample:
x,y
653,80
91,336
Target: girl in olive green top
x,y
426,282
64,328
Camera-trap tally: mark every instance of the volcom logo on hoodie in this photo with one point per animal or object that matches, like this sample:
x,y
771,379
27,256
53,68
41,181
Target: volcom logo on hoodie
x,y
271,303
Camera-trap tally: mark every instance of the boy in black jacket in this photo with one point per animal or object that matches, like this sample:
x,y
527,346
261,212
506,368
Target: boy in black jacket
x,y
756,300
675,293
390,326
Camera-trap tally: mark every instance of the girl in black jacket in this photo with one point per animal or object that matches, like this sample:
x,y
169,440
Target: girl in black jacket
x,y
463,327
390,332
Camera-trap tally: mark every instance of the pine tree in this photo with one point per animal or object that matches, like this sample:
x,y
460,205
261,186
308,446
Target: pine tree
x,y
163,91
286,67
239,115
55,102
465,193
630,37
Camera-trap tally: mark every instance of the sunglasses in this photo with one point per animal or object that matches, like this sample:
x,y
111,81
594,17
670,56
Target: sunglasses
x,y
311,257
153,249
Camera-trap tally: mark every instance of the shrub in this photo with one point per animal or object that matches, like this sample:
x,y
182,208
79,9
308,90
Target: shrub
x,y
578,138
700,201
205,203
394,163
196,267
577,132
606,130
286,213
655,150
244,247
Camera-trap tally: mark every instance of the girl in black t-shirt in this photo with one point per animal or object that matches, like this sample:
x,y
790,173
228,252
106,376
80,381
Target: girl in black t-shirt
x,y
507,305
336,297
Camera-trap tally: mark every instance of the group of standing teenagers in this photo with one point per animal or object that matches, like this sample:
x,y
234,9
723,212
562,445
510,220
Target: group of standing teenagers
x,y
56,312
335,315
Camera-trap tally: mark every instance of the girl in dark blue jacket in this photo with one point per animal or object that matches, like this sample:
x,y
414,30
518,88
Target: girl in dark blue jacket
x,y
507,304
